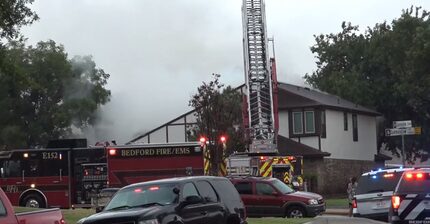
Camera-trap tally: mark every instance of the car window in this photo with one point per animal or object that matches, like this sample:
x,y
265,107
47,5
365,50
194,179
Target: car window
x,y
189,190
2,209
264,189
226,191
414,185
380,182
282,187
244,187
143,195
206,191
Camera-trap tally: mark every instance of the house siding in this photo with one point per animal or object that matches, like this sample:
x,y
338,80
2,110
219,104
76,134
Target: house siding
x,y
158,136
340,142
177,133
310,141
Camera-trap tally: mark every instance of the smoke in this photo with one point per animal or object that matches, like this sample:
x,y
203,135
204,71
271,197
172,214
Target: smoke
x,y
159,52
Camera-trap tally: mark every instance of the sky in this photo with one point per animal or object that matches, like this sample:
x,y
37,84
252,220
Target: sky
x,y
158,52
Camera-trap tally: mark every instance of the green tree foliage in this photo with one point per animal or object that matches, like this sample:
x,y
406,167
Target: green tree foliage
x,y
43,94
219,112
13,15
386,67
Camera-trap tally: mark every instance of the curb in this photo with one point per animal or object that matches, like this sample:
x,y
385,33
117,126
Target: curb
x,y
343,212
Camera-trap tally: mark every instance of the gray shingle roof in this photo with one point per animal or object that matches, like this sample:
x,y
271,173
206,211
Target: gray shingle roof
x,y
292,96
288,147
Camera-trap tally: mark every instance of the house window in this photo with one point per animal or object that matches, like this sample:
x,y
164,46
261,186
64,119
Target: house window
x,y
345,121
309,122
323,126
354,128
297,122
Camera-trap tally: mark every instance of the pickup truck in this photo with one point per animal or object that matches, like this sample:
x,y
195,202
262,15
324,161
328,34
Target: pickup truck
x,y
46,216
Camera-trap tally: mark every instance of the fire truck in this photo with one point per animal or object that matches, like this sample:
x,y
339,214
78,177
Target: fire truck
x,y
54,177
72,177
135,163
288,169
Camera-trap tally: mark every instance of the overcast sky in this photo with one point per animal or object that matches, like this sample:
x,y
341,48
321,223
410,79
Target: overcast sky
x,y
159,51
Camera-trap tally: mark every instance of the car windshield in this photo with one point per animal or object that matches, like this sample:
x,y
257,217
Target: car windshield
x,y
380,182
414,185
143,195
282,187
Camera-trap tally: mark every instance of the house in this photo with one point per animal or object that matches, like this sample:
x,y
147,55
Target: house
x,y
337,138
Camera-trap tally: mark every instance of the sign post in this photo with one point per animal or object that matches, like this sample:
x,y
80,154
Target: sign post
x,y
402,128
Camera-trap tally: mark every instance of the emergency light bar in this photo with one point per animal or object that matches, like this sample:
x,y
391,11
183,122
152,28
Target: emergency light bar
x,y
112,152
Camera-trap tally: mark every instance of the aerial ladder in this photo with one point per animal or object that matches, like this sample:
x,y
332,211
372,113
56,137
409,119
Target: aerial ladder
x,y
260,77
260,105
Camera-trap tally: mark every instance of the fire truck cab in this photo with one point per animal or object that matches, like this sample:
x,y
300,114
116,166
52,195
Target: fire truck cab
x,y
285,168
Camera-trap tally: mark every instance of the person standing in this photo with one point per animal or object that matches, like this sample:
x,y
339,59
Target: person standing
x,y
352,186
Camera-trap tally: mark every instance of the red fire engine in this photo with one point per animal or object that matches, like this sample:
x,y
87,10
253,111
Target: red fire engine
x,y
53,177
135,163
72,177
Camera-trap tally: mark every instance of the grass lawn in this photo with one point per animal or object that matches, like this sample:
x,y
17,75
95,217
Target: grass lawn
x,y
336,203
72,216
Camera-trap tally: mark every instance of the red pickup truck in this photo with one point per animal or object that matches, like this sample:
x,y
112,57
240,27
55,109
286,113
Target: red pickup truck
x,y
46,216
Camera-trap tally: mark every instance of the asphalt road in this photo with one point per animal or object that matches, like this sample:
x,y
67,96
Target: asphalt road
x,y
336,219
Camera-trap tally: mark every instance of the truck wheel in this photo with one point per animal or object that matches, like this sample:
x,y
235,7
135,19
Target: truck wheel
x,y
34,201
295,212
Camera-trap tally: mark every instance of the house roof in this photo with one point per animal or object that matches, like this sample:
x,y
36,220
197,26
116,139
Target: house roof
x,y
292,96
288,147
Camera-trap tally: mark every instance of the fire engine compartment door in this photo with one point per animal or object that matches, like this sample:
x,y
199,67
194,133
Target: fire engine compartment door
x,y
278,171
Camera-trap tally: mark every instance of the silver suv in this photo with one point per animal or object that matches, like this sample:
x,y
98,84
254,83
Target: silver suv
x,y
374,191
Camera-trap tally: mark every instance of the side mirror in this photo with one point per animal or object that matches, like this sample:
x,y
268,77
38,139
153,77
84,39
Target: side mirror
x,y
99,209
190,200
176,190
193,199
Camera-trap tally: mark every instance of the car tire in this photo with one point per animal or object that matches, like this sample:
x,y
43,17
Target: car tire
x,y
33,201
295,212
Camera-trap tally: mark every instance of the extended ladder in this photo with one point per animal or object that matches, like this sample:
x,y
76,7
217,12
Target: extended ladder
x,y
258,78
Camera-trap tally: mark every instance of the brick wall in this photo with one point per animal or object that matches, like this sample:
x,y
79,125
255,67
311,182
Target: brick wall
x,y
330,176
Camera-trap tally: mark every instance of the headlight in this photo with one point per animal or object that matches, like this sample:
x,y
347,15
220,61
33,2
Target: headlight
x,y
150,221
313,202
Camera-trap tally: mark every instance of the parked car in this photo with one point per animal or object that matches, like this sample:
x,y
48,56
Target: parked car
x,y
103,198
198,199
410,202
374,191
45,216
270,197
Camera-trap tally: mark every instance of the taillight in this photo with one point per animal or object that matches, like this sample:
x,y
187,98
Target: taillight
x,y
354,203
395,200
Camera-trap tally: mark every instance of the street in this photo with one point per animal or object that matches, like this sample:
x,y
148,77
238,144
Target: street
x,y
336,219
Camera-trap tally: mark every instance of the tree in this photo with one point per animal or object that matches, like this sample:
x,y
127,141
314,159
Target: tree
x,y
218,112
43,94
386,68
13,15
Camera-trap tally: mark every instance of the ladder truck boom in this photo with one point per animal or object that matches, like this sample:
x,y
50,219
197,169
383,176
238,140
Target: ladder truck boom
x,y
258,79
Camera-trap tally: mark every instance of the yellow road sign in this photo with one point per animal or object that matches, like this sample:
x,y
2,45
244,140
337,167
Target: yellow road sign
x,y
417,130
